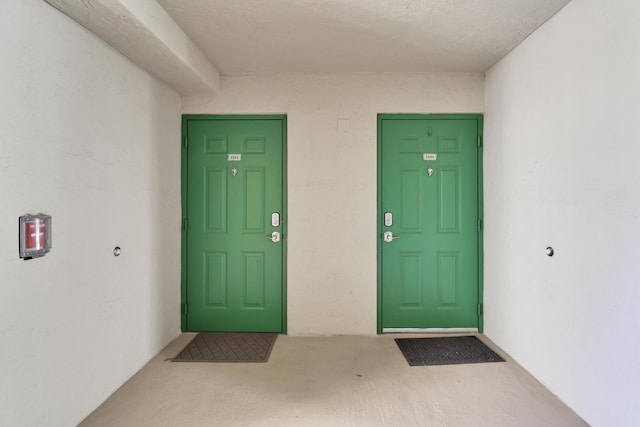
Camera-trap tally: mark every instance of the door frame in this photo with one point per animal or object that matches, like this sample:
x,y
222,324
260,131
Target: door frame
x,y
480,122
184,187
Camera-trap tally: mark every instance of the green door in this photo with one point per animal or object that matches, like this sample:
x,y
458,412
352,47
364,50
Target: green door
x,y
234,224
429,222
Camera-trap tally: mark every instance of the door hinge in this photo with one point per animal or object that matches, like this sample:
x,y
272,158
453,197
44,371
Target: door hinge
x,y
185,143
184,308
185,224
479,141
479,225
480,309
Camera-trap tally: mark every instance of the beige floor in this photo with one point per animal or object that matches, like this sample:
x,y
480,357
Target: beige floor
x,y
331,381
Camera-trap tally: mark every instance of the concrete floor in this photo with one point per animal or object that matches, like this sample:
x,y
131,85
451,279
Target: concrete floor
x,y
331,381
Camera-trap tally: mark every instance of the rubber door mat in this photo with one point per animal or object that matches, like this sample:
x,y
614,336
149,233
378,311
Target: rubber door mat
x,y
228,347
446,351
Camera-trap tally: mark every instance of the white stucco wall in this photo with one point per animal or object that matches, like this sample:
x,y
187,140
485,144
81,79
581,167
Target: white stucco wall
x,y
332,131
92,140
561,169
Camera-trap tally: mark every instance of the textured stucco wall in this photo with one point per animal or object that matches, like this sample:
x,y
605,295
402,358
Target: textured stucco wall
x,y
92,140
332,177
561,169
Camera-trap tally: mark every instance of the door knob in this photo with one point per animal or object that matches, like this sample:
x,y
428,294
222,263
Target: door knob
x,y
275,237
389,237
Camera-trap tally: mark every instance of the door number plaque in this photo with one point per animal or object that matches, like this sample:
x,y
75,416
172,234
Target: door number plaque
x,y
234,157
429,156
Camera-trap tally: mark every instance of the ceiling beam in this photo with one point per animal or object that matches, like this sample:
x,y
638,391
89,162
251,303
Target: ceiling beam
x,y
144,32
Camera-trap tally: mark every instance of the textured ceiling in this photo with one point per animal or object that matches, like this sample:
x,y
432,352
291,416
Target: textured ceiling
x,y
272,36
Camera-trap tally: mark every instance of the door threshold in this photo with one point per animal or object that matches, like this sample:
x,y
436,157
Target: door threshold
x,y
429,330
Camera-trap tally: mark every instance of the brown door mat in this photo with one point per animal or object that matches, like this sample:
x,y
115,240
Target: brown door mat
x,y
228,347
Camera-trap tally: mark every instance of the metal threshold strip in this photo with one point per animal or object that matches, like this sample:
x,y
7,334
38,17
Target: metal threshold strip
x,y
428,330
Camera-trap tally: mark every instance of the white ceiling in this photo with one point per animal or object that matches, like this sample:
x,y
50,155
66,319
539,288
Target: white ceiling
x,y
271,36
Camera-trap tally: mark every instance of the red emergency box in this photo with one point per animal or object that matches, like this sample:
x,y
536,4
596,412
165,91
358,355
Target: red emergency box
x,y
35,235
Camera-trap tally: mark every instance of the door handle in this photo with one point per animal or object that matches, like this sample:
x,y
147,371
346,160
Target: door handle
x,y
389,237
275,237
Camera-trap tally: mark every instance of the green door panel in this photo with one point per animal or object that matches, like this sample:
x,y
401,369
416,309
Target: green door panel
x,y
234,273
429,184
